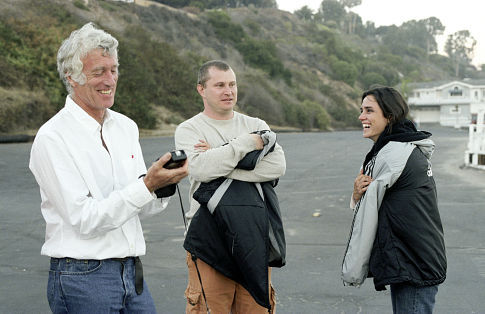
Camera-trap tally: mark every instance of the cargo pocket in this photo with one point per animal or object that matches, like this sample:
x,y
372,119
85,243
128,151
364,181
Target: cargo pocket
x,y
193,301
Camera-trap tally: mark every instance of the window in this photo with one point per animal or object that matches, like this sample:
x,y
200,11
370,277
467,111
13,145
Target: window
x,y
456,91
474,118
481,159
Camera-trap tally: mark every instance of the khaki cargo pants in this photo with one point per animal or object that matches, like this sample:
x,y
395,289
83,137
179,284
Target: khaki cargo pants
x,y
223,294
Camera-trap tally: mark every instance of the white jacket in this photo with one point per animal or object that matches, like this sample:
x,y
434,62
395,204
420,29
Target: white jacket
x,y
389,164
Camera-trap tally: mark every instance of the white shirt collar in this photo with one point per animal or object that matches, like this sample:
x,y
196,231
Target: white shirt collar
x,y
84,118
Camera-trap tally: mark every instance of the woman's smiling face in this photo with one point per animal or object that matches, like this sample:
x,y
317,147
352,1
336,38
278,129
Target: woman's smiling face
x,y
372,118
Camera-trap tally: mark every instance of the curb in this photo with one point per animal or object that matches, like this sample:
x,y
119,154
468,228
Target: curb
x,y
18,138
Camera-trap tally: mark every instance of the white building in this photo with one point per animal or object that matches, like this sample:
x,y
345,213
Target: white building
x,y
454,103
475,153
458,104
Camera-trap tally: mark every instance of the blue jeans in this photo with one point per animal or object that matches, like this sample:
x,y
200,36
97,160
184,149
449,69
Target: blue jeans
x,y
96,286
410,299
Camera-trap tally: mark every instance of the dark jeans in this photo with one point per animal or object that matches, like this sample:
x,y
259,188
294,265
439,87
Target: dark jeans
x,y
96,286
409,299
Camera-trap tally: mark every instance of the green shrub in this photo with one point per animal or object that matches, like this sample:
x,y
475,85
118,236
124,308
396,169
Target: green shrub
x,y
315,116
344,71
257,97
386,71
372,78
23,110
224,28
393,60
338,109
415,52
80,4
152,74
262,54
291,116
253,26
107,5
28,49
343,116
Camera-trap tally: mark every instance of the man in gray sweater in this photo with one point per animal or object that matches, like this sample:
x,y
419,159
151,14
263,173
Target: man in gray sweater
x,y
215,140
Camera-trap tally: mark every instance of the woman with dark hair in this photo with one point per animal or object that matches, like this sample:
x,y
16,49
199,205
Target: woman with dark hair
x,y
396,235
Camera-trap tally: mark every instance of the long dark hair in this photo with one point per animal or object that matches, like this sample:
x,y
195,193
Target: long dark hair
x,y
399,129
392,104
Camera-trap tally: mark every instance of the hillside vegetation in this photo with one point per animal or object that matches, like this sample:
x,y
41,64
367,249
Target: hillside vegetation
x,y
294,70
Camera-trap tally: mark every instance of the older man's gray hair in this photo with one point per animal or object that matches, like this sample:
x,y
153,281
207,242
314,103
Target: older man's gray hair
x,y
77,46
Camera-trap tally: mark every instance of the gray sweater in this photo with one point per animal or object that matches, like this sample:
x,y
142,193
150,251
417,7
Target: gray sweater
x,y
221,160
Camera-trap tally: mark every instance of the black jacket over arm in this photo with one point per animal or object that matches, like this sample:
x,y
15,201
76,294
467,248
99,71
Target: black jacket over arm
x,y
244,235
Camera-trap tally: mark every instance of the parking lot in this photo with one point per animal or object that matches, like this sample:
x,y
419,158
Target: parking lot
x,y
314,196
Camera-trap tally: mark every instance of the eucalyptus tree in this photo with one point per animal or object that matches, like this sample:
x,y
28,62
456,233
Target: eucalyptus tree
x,y
352,17
331,12
434,27
460,47
304,13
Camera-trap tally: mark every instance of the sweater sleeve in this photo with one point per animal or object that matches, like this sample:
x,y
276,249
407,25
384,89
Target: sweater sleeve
x,y
271,167
215,162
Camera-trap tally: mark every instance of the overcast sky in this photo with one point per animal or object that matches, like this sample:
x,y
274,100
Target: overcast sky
x,y
454,15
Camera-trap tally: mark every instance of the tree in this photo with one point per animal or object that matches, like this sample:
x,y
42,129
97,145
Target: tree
x,y
312,115
256,3
351,16
332,11
411,35
373,78
305,13
350,3
460,47
415,33
344,71
370,29
393,38
433,27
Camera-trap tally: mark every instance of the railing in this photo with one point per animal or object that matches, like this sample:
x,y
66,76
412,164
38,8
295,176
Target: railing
x,y
457,121
476,138
431,101
475,154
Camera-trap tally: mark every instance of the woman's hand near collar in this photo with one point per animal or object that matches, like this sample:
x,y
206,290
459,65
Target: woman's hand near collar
x,y
361,183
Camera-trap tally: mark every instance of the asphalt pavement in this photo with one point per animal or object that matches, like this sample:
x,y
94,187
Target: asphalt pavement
x,y
314,196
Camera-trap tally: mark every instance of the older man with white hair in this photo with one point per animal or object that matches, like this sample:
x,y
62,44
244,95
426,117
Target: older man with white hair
x,y
94,186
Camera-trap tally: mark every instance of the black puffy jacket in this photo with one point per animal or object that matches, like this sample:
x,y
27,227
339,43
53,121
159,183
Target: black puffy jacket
x,y
409,245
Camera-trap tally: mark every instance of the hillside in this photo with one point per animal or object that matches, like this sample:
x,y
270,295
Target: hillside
x,y
291,72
